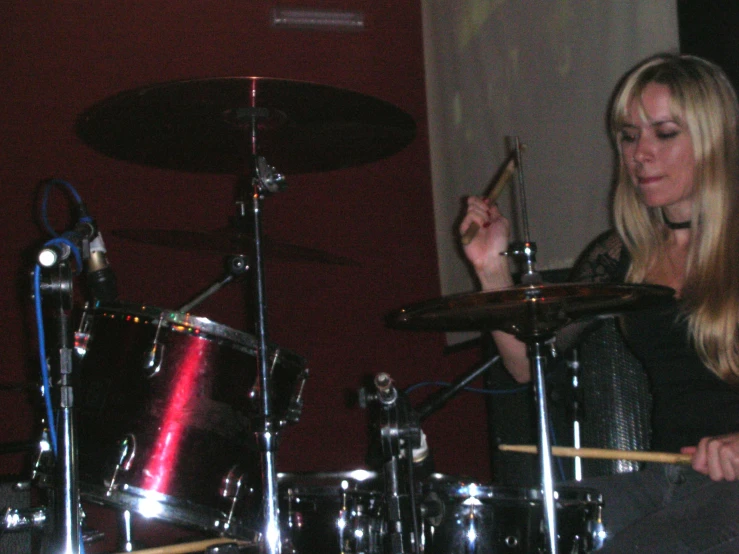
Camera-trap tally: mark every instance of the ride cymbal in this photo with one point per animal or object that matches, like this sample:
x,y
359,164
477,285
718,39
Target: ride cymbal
x,y
218,125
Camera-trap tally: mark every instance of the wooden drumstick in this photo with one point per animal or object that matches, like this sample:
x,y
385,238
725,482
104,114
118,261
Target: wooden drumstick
x,y
501,180
189,547
603,453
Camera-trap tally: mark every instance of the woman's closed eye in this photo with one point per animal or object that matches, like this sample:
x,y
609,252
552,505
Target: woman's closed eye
x,y
628,137
667,135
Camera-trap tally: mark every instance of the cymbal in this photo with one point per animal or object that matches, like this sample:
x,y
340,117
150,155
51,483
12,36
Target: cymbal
x,y
527,311
214,125
229,240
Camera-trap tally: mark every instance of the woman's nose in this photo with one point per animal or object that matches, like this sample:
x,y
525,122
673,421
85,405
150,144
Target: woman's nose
x,y
643,150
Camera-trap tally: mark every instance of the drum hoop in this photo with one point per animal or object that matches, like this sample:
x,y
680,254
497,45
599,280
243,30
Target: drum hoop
x,y
451,488
172,509
329,483
206,328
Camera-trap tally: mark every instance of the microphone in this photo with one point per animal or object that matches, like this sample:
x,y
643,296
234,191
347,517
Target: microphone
x,y
101,281
58,250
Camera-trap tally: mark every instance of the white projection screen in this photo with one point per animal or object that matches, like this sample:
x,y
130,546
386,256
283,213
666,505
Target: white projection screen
x,y
541,70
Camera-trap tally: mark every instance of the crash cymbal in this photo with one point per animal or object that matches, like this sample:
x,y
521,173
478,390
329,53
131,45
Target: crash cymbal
x,y
527,311
206,125
229,240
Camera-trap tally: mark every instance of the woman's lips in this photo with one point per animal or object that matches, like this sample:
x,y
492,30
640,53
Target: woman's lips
x,y
648,180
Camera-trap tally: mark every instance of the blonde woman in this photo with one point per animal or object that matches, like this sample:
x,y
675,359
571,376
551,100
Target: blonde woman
x,y
676,216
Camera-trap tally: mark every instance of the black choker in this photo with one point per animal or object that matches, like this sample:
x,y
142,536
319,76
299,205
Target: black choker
x,y
675,226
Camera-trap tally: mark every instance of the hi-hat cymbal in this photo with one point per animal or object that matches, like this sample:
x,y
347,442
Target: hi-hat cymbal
x,y
527,311
229,240
214,126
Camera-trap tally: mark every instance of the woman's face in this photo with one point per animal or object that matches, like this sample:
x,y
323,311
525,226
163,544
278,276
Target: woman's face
x,y
658,153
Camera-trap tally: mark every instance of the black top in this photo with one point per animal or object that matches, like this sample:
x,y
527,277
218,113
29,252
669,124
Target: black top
x,y
689,400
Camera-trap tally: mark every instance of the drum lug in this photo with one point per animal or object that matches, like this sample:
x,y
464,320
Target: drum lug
x,y
154,357
596,529
153,360
22,519
231,489
472,539
295,408
294,520
44,460
126,454
82,335
432,509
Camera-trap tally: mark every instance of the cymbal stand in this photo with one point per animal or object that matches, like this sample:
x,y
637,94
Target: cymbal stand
x,y
263,182
524,251
66,499
536,347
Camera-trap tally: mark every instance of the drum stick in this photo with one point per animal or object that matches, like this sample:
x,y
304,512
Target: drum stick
x,y
500,181
604,453
188,547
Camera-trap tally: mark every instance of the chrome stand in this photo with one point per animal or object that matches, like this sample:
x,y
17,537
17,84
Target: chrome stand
x,y
66,498
525,252
536,347
538,363
265,181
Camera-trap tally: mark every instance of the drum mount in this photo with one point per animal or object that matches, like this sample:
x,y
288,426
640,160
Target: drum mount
x,y
401,436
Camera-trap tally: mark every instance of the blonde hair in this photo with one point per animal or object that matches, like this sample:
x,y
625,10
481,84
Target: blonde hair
x,y
703,100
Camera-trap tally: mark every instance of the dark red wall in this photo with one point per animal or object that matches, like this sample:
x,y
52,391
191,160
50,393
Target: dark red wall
x,y
59,58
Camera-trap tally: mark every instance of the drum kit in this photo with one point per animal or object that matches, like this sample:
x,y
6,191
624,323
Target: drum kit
x,y
176,417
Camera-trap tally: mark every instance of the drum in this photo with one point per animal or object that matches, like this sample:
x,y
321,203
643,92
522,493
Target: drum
x,y
467,517
166,405
331,513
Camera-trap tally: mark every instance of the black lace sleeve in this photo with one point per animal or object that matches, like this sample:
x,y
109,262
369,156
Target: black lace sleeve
x,y
605,260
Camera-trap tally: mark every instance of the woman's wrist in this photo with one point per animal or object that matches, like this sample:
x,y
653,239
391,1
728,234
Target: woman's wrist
x,y
495,278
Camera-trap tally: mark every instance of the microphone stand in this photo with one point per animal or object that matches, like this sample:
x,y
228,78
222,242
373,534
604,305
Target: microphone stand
x,y
400,434
66,499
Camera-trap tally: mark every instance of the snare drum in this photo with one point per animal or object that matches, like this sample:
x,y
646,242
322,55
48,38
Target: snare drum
x,y
331,513
166,402
467,517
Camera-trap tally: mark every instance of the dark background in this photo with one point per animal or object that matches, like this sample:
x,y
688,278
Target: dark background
x,y
57,59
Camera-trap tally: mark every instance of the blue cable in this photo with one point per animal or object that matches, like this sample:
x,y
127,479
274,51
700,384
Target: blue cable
x,y
42,356
45,200
559,462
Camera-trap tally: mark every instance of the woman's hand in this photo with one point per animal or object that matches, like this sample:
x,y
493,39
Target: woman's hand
x,y
717,457
485,251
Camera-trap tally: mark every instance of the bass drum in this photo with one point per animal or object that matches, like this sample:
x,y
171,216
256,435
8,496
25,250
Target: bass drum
x,y
331,513
166,403
467,517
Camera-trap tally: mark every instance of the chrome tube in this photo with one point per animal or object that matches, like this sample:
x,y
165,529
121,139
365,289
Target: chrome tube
x,y
538,362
